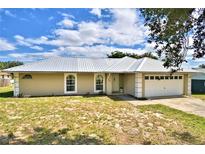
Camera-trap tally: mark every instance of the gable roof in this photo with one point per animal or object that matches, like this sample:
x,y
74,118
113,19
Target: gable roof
x,y
61,64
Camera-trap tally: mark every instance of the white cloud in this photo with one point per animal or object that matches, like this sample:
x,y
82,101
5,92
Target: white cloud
x,y
5,45
67,23
25,42
37,48
66,15
73,51
8,13
29,57
125,29
96,12
50,18
92,51
93,38
21,41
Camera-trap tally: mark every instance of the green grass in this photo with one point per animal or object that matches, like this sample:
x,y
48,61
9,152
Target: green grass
x,y
200,96
93,120
6,92
194,126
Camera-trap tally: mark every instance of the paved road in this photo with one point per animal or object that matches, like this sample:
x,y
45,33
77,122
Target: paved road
x,y
187,104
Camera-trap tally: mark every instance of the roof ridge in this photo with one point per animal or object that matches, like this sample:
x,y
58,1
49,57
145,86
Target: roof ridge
x,y
86,57
142,63
133,63
120,59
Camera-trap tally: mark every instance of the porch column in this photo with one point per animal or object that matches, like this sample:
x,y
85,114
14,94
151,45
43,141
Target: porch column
x,y
16,84
138,85
109,84
189,85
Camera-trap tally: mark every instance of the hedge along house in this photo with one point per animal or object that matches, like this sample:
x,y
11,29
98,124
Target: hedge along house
x,y
68,76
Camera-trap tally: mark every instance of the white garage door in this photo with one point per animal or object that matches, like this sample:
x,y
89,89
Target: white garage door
x,y
162,85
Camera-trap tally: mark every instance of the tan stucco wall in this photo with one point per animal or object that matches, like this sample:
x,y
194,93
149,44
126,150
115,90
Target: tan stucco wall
x,y
187,84
53,84
42,84
108,84
121,80
129,84
85,83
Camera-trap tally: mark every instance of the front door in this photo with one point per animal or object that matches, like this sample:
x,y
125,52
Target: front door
x,y
115,82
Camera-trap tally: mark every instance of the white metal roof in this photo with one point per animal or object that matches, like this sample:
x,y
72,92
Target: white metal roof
x,y
61,64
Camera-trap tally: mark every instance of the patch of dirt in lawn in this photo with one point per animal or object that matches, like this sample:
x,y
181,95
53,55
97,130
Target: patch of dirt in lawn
x,y
92,120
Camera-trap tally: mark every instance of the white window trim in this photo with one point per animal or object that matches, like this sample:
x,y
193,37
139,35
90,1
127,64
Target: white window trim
x,y
95,75
76,82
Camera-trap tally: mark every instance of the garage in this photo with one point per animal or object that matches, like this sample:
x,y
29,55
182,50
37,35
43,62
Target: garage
x,y
163,85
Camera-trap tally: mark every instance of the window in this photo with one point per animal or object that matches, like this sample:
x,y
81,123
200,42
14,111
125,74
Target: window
x,y
161,77
151,77
166,77
157,78
180,77
99,83
27,76
176,77
70,83
146,77
171,77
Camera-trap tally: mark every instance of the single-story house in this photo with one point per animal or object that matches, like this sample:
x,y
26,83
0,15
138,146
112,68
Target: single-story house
x,y
67,76
5,79
4,75
198,81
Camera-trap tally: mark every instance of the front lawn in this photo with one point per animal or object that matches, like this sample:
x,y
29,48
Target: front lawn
x,y
200,96
93,120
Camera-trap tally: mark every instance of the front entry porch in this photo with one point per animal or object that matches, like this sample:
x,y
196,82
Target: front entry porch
x,y
120,83
117,83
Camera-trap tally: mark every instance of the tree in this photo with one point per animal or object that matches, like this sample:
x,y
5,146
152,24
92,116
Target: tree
x,y
5,65
202,66
119,54
171,30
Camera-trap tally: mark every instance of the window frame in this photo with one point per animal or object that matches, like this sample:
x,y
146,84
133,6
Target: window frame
x,y
176,77
162,77
25,77
146,77
166,77
151,77
157,77
95,76
65,83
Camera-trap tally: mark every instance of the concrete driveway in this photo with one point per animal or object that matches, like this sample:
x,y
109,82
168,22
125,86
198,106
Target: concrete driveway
x,y
186,104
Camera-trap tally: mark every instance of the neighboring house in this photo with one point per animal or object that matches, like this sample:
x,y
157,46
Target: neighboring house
x,y
64,76
4,75
5,79
198,81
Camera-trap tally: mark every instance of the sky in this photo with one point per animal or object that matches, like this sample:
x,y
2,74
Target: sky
x,y
34,34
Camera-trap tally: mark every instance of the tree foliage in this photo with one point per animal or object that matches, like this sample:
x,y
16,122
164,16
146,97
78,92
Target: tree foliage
x,y
8,64
171,30
202,66
119,54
